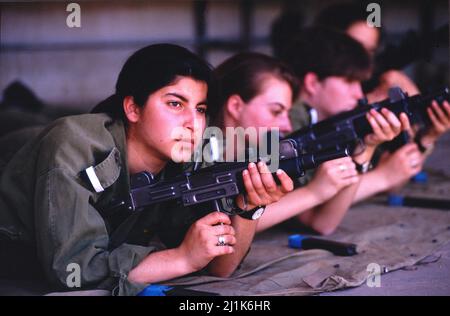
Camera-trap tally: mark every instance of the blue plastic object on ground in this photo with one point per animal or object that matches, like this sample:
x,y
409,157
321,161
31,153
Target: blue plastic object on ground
x,y
395,200
155,290
295,241
308,242
421,177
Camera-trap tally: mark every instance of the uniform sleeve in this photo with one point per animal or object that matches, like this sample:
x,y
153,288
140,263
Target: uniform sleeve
x,y
299,116
69,230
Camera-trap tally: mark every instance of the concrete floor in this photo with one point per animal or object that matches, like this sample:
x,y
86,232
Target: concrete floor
x,y
427,279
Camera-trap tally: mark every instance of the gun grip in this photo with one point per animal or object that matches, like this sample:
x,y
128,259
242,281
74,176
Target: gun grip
x,y
401,140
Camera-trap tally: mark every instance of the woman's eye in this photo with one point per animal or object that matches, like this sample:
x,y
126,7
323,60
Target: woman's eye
x,y
174,104
276,113
201,110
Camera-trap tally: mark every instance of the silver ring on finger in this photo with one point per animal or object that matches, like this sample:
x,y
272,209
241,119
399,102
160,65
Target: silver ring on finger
x,y
221,241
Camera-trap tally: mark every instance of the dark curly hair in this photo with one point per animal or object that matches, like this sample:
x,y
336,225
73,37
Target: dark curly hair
x,y
150,69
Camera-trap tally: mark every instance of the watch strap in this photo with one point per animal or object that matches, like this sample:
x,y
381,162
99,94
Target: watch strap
x,y
252,214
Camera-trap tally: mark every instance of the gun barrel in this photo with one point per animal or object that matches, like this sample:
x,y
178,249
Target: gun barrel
x,y
330,155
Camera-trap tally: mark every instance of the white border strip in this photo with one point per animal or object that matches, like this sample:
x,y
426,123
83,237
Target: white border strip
x,y
94,179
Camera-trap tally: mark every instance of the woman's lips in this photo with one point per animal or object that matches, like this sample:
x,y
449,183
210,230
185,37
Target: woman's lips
x,y
187,142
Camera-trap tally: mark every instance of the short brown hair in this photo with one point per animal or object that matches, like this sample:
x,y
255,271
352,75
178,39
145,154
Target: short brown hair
x,y
241,75
328,53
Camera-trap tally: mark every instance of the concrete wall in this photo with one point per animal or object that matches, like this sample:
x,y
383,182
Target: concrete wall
x,y
77,67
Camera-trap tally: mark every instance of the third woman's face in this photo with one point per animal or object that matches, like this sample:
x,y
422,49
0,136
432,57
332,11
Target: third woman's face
x,y
172,121
334,95
271,107
366,35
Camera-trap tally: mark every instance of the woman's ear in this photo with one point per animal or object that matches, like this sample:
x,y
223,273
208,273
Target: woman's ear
x,y
131,109
311,83
234,107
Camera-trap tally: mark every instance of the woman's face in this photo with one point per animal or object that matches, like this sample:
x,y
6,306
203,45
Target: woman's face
x,y
366,35
334,95
171,123
270,108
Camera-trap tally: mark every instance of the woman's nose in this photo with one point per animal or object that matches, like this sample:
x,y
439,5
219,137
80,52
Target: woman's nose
x,y
357,91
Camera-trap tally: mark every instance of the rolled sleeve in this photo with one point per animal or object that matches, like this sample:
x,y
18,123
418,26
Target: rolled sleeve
x,y
69,230
121,261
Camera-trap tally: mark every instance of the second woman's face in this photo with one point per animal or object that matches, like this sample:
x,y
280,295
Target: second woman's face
x,y
172,121
270,108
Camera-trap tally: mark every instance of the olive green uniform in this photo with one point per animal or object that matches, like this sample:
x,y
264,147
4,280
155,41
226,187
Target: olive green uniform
x,y
300,117
47,204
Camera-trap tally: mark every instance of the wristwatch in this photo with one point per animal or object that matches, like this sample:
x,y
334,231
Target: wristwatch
x,y
362,168
254,213
425,149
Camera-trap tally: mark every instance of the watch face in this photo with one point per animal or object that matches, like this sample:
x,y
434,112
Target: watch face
x,y
365,167
258,213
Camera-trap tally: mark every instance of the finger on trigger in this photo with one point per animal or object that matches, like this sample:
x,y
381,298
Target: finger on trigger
x,y
248,184
439,112
406,125
391,118
267,178
287,184
373,123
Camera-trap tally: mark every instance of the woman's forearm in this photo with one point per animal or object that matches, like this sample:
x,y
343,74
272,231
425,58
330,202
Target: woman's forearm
x,y
224,266
160,266
326,217
292,204
371,183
